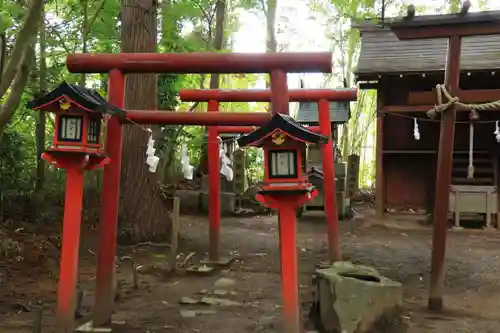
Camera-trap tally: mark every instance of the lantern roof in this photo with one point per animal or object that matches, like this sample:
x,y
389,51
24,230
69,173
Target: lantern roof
x,y
281,123
87,99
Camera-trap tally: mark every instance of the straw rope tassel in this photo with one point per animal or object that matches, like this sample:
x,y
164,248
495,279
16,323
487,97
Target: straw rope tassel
x,y
470,169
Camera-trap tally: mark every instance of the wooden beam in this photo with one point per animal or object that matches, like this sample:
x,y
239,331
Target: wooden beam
x,y
406,108
369,85
379,168
443,176
465,96
490,28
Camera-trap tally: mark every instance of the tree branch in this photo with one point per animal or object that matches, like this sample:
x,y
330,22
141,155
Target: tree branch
x,y
23,42
203,10
264,7
94,17
16,92
59,37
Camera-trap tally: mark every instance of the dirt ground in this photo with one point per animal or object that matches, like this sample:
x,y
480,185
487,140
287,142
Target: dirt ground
x,y
399,250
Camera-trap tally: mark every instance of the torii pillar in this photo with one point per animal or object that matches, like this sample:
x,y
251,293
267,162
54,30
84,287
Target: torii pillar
x,y
453,27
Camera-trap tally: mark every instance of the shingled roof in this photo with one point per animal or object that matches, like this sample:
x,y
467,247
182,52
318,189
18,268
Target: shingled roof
x,y
383,53
89,99
282,123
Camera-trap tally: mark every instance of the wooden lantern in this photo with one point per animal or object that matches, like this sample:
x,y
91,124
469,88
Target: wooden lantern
x,y
284,142
78,118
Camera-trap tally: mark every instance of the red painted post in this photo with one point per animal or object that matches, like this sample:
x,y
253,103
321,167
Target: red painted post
x,y
66,293
214,191
289,268
104,295
279,92
329,188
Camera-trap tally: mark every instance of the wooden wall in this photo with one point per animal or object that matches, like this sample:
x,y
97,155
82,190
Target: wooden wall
x,y
409,165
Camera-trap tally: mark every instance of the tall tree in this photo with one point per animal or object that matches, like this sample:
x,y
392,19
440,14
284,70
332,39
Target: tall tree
x,y
143,212
215,42
16,72
220,14
270,9
41,119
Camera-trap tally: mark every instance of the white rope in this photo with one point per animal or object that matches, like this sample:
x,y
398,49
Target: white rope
x,y
497,131
187,168
470,169
440,107
226,162
416,132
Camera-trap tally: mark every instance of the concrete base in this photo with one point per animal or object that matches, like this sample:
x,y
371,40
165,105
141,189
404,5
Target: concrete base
x,y
222,262
356,299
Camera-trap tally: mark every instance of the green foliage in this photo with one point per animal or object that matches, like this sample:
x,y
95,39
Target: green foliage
x,y
15,162
254,159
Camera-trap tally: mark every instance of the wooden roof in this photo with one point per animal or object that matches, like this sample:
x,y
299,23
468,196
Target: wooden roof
x,y
383,53
308,113
283,123
453,19
89,99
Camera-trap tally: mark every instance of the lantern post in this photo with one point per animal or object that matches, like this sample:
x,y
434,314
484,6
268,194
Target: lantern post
x,y
76,147
285,188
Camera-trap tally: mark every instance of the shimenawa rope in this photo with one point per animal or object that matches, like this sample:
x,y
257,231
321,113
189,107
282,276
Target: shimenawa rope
x,y
441,107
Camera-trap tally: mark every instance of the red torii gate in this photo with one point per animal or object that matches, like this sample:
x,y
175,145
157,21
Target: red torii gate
x,y
322,97
117,65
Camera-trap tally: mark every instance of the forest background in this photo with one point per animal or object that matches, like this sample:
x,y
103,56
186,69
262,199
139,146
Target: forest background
x,y
37,36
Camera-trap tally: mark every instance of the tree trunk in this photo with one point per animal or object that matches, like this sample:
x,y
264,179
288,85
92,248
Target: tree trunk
x,y
16,72
271,43
40,123
220,16
218,44
85,22
143,212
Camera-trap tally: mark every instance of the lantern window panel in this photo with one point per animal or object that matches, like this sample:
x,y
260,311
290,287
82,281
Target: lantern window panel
x,y
93,130
283,164
70,128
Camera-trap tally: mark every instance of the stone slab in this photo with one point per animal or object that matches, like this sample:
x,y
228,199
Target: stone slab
x,y
227,203
353,298
189,201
